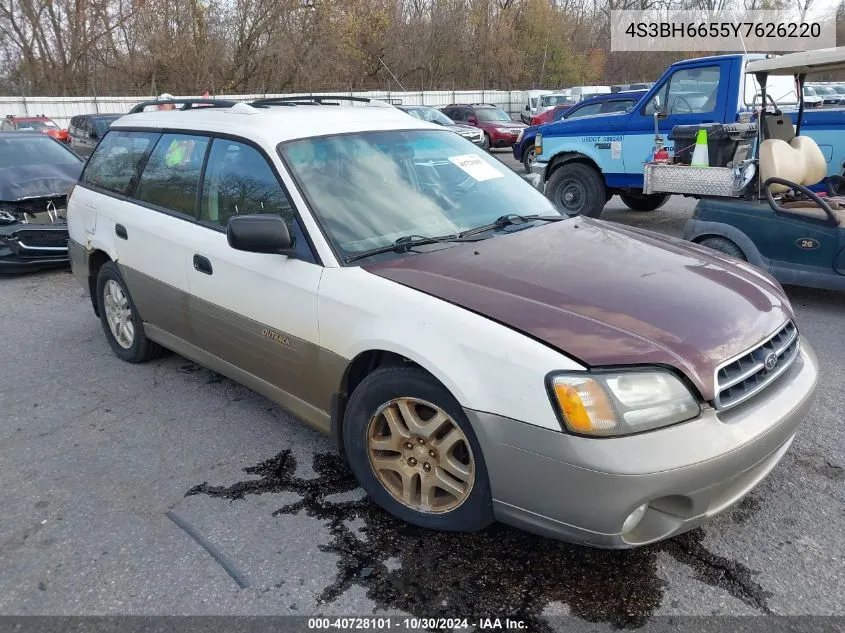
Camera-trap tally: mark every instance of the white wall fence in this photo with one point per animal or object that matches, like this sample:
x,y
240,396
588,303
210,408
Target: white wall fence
x,y
61,109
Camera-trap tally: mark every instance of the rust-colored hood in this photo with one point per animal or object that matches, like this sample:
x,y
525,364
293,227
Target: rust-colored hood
x,y
607,295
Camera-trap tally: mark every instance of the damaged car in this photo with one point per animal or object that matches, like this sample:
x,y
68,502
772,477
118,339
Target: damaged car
x,y
36,175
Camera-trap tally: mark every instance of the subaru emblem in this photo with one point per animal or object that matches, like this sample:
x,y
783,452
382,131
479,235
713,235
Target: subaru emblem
x,y
770,361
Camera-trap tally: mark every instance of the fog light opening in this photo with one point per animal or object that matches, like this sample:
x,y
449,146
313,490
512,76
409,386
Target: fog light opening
x,y
634,519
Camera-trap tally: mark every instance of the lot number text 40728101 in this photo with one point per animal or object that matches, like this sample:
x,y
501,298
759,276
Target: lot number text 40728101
x,y
415,624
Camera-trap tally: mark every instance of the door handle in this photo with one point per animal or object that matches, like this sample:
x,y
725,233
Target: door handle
x,y
120,231
202,264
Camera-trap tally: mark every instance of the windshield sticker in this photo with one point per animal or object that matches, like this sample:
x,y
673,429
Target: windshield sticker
x,y
476,167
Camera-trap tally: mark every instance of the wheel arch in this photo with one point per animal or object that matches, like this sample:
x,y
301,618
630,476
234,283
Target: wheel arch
x,y
362,365
697,231
96,259
562,158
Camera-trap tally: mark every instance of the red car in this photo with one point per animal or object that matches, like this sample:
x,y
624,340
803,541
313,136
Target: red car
x,y
34,124
551,114
499,129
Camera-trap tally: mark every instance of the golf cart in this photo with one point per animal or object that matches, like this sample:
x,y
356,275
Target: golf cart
x,y
769,201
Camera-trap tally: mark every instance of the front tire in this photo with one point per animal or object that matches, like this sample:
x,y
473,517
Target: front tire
x,y
724,245
120,319
644,202
577,189
486,144
414,452
528,157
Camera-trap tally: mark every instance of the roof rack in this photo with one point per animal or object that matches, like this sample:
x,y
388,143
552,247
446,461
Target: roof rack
x,y
315,100
187,104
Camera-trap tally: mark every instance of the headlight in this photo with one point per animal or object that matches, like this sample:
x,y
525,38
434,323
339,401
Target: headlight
x,y
519,136
605,404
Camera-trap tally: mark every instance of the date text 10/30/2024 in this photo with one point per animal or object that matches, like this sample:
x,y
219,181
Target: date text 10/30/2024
x,y
415,624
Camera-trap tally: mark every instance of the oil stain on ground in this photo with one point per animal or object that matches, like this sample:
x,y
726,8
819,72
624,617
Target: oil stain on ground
x,y
500,570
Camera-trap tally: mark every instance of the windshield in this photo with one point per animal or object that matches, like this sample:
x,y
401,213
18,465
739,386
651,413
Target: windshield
x,y
429,114
26,126
369,189
840,90
35,149
781,88
809,91
491,114
823,90
102,124
553,100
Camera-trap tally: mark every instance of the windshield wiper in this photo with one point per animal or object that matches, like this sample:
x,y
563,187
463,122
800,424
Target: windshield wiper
x,y
405,244
508,220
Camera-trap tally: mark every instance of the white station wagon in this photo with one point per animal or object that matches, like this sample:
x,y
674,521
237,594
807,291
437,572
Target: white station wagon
x,y
474,354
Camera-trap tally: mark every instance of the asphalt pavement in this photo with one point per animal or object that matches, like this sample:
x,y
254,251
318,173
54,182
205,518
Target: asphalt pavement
x,y
164,488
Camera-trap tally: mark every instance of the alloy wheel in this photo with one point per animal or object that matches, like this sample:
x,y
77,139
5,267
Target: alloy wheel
x,y
420,455
118,314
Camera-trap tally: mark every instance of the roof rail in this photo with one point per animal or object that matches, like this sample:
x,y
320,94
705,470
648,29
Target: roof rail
x,y
315,100
187,104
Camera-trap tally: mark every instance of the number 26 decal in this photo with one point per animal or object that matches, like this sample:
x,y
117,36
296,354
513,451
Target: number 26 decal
x,y
807,243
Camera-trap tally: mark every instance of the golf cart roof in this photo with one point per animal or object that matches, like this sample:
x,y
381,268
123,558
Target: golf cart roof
x,y
803,63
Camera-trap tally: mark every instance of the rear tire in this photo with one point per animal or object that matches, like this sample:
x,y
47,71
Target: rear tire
x,y
406,436
644,202
120,319
725,246
577,189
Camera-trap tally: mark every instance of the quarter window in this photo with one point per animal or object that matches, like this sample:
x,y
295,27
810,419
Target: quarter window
x,y
116,164
238,181
171,177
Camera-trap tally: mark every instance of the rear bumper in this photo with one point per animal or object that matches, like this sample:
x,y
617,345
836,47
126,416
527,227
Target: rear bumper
x,y
582,490
78,257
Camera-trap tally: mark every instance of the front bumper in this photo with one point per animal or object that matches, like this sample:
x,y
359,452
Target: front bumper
x,y
31,247
582,490
497,139
539,167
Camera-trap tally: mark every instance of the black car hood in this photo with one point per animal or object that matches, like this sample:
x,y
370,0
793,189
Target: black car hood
x,y
37,181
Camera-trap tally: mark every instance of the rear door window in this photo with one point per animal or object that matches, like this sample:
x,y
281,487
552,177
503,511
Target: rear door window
x,y
172,174
116,164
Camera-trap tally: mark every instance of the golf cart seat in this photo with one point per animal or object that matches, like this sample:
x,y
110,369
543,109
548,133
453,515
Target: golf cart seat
x,y
799,161
796,165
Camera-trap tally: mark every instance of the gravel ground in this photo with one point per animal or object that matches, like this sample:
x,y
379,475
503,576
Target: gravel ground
x,y
113,476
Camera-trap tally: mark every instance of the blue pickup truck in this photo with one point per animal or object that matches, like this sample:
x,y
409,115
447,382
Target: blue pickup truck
x,y
584,162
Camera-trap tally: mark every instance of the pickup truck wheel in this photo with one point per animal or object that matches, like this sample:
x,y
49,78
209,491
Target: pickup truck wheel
x,y
528,158
413,451
120,319
724,245
644,202
577,189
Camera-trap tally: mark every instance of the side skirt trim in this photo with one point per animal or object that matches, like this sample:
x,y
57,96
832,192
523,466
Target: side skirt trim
x,y
314,417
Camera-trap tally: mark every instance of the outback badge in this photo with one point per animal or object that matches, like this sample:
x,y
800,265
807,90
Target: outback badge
x,y
275,336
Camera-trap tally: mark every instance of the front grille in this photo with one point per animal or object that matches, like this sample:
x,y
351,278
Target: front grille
x,y
35,239
740,379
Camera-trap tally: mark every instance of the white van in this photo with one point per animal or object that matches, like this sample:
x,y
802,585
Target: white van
x,y
532,102
579,93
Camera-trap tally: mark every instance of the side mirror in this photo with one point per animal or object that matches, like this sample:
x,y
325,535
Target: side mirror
x,y
528,108
93,135
259,234
472,120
